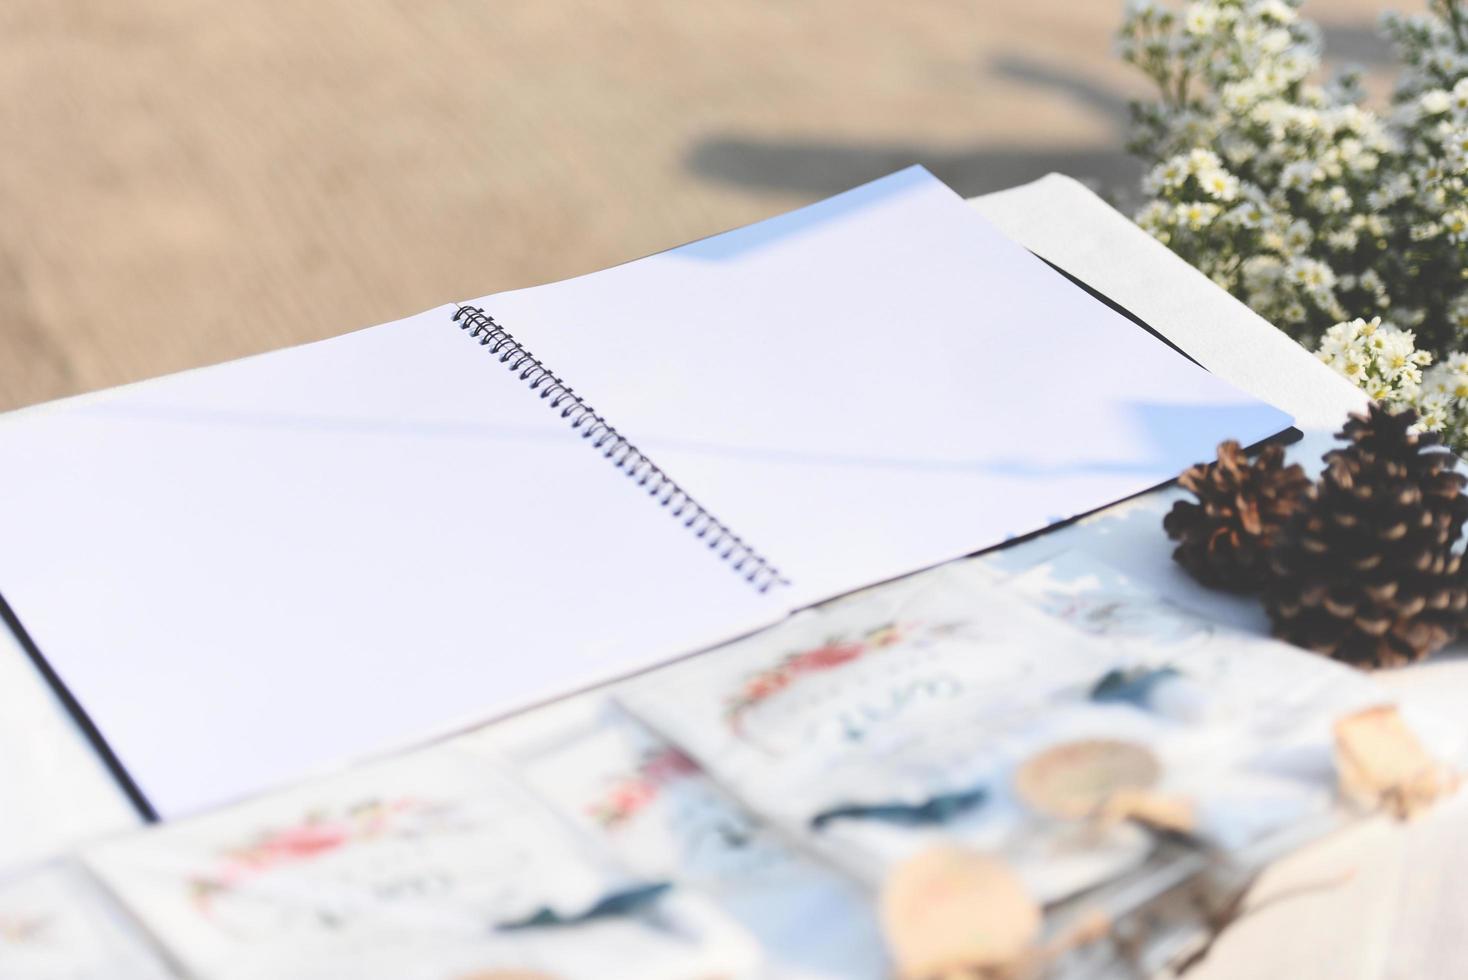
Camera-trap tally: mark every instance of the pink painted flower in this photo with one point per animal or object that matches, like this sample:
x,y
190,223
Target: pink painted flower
x,y
824,657
668,764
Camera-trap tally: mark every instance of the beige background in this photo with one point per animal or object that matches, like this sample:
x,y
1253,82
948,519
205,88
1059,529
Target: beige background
x,y
187,181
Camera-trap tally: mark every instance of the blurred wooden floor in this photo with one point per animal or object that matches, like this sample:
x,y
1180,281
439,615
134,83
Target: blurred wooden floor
x,y
187,181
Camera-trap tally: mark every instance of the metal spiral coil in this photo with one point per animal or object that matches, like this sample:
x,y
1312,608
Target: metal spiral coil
x,y
750,564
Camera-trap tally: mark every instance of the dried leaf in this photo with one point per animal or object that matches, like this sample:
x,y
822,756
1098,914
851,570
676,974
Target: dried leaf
x,y
1381,764
949,910
1159,811
1074,780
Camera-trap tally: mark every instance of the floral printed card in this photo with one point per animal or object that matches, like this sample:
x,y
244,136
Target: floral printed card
x,y
57,924
879,723
654,808
432,865
1255,748
1269,687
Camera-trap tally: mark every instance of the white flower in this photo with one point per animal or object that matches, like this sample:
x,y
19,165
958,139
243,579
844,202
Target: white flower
x,y
1200,18
1325,209
1433,412
1458,313
1337,199
1201,161
1219,184
1455,147
1352,364
1297,236
1154,215
1455,224
1396,359
1296,63
1460,95
1412,316
1197,215
1300,174
1379,389
1275,10
1382,360
1250,214
1312,274
1312,121
1169,174
1436,102
1262,272
1237,97
1275,42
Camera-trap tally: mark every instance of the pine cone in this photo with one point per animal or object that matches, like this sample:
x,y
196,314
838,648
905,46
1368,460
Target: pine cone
x,y
1366,572
1226,536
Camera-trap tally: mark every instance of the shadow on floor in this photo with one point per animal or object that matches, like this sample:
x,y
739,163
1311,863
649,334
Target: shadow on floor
x,y
820,167
1355,44
817,167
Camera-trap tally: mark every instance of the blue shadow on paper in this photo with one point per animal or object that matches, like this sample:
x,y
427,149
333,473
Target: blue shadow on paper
x,y
732,244
1170,438
554,429
1173,430
1169,441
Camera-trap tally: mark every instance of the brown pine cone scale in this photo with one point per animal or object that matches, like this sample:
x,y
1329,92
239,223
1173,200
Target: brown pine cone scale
x,y
1225,536
1368,571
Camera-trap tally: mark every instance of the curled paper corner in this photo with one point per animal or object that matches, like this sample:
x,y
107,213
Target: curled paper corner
x,y
951,912
1381,764
1156,811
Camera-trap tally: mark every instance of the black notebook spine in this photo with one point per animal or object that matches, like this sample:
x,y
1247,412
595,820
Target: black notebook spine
x,y
619,450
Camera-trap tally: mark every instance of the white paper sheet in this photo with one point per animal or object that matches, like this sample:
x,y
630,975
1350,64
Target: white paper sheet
x,y
258,571
878,382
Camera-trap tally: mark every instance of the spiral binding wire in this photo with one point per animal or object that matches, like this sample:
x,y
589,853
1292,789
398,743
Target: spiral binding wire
x,y
750,564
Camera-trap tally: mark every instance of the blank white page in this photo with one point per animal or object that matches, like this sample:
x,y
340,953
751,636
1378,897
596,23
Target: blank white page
x,y
253,572
878,382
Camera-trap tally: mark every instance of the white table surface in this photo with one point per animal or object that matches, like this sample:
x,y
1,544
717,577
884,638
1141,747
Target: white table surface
x,y
1389,897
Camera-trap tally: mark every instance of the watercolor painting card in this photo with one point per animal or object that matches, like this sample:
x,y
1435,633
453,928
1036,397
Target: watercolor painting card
x,y
56,923
1253,741
1272,688
432,865
659,813
895,718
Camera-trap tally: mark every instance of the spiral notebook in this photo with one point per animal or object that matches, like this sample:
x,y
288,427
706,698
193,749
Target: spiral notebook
x,y
244,575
